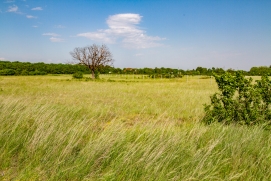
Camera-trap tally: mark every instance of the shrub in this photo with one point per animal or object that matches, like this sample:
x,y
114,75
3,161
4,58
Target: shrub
x,y
240,101
7,72
24,72
97,74
37,72
78,75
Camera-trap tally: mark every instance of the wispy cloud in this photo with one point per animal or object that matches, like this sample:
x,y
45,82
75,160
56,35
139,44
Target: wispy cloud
x,y
34,26
50,34
37,9
54,39
122,27
31,17
13,9
100,35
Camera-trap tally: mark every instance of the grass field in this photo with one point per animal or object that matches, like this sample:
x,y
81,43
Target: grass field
x,y
122,128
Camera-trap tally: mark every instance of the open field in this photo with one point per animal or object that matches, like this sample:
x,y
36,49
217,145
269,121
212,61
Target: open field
x,y
122,128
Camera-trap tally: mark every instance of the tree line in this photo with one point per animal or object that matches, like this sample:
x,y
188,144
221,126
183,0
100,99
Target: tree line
x,y
27,68
97,60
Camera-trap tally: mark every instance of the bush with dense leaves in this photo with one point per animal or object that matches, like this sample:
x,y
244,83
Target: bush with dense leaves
x,y
7,72
78,75
37,72
97,74
240,100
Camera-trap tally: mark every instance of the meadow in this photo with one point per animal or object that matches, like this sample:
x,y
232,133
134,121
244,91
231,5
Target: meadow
x,y
122,128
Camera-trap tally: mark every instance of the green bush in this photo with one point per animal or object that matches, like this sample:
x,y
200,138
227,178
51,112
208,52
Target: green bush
x,y
7,72
240,100
37,72
78,75
24,72
97,74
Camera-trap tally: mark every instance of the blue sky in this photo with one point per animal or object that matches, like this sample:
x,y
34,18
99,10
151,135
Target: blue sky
x,y
140,33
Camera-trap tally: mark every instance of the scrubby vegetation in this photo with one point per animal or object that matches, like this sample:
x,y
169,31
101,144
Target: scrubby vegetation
x,y
78,75
27,68
240,101
122,128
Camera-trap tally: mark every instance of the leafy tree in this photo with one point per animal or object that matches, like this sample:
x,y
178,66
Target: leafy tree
x,y
93,57
231,71
24,72
203,71
262,70
7,72
37,72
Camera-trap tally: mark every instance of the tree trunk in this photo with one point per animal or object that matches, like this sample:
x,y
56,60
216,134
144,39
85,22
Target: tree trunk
x,y
93,74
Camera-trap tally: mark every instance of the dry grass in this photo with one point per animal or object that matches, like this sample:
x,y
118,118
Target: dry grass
x,y
56,128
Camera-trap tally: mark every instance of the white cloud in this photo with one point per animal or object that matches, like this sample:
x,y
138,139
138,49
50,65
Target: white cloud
x,y
34,26
37,9
54,39
50,34
123,27
1,58
30,16
13,9
100,35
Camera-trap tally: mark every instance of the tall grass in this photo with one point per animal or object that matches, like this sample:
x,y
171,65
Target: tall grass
x,y
56,128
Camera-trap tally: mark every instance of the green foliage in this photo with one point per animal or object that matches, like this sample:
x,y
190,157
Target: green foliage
x,y
240,100
97,74
24,72
7,72
168,75
21,67
37,72
262,70
24,68
78,75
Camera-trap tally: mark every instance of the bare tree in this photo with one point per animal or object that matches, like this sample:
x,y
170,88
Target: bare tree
x,y
94,57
